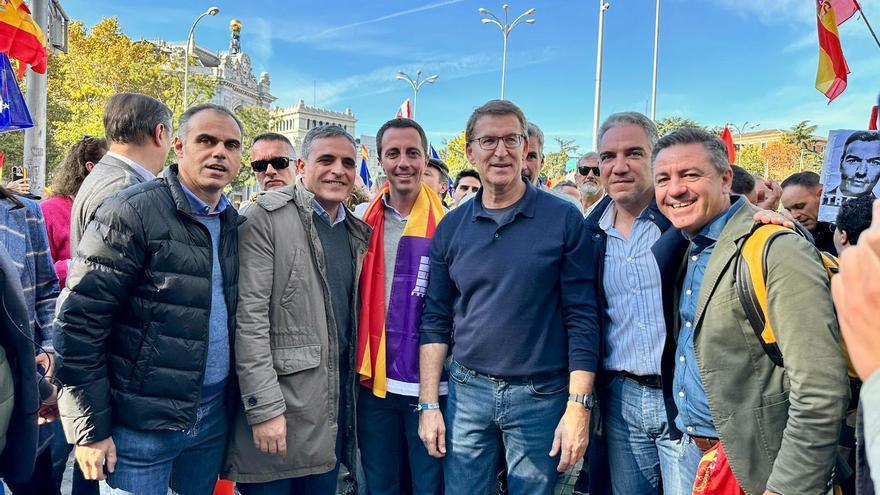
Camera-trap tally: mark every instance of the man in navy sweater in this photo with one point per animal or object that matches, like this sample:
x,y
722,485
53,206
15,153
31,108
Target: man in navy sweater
x,y
508,275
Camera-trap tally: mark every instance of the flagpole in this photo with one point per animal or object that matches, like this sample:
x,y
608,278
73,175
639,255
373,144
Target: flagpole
x,y
656,52
862,12
603,6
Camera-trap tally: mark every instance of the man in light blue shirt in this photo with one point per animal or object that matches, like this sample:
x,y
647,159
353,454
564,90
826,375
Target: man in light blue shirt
x,y
623,227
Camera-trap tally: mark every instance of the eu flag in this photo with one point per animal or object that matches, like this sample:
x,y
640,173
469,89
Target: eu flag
x,y
14,115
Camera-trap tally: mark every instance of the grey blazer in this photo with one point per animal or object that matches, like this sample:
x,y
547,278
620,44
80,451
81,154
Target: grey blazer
x,y
109,176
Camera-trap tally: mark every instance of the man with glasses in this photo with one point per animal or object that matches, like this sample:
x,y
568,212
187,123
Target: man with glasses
x,y
522,357
587,179
272,154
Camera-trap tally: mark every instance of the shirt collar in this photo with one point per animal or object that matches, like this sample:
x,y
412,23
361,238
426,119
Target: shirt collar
x,y
146,174
710,233
340,213
524,206
201,208
387,205
606,221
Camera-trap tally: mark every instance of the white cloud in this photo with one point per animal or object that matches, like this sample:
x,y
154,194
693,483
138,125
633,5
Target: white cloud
x,y
774,11
381,80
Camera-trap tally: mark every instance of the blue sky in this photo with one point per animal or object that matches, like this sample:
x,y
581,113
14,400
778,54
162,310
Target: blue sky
x,y
720,60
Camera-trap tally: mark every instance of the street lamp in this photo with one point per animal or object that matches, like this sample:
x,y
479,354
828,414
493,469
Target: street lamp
x,y
506,28
189,41
745,127
416,85
603,6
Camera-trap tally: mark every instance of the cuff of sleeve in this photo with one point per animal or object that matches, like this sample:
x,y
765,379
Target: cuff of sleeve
x,y
263,405
432,337
583,363
86,414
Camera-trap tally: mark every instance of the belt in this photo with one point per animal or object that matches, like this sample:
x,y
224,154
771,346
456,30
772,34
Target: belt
x,y
704,443
652,381
513,379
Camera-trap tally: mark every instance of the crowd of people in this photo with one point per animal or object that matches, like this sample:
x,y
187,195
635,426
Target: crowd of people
x,y
653,324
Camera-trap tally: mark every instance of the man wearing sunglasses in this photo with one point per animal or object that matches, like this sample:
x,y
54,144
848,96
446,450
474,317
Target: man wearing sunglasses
x,y
272,155
587,179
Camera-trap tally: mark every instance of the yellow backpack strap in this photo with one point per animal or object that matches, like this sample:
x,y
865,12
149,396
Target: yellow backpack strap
x,y
751,285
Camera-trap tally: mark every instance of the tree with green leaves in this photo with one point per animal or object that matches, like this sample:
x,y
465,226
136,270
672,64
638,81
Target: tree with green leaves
x,y
555,161
453,153
256,120
100,62
801,135
669,124
749,158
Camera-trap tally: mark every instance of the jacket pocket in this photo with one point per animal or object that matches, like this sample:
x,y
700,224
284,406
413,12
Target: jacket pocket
x,y
771,420
288,360
294,286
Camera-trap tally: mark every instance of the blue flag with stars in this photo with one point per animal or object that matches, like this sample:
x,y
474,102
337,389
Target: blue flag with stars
x,y
14,114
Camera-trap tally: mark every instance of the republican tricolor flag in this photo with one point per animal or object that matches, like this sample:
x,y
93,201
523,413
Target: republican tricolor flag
x,y
21,38
832,72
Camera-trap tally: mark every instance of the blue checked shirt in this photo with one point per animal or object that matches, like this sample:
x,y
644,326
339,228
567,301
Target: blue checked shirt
x,y
694,416
636,330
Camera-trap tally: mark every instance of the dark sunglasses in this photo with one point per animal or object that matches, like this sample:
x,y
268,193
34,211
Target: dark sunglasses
x,y
586,170
278,163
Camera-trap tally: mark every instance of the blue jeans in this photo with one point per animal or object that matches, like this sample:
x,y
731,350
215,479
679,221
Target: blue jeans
x,y
641,452
384,426
486,417
148,462
689,456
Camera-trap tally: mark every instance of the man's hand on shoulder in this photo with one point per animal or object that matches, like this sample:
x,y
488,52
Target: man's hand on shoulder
x,y
270,436
432,431
570,439
92,457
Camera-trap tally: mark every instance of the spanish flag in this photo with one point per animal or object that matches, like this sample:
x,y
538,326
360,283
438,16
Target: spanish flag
x,y
21,38
831,76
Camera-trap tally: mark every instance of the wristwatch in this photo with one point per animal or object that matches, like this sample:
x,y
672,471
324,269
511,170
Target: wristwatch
x,y
588,401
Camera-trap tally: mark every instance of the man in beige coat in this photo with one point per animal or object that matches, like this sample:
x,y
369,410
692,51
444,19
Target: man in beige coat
x,y
301,255
777,425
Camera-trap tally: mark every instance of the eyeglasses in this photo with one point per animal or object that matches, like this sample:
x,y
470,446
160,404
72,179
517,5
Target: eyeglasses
x,y
278,163
586,170
489,143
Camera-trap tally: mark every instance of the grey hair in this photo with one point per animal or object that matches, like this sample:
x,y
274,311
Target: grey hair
x,y
714,146
183,123
565,183
592,155
131,118
630,118
321,132
535,132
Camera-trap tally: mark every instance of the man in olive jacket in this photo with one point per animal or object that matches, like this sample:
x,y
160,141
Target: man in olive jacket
x,y
301,255
778,426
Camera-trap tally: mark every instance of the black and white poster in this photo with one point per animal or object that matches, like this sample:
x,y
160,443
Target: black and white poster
x,y
851,169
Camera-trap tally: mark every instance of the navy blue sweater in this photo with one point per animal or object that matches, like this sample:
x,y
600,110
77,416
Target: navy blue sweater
x,y
513,298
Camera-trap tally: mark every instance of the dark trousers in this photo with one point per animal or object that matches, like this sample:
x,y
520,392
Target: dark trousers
x,y
41,483
385,427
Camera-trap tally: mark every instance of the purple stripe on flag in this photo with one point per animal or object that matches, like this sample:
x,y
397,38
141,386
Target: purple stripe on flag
x,y
405,309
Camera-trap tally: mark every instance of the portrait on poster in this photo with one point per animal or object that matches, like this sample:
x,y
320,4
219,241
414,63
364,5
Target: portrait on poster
x,y
851,169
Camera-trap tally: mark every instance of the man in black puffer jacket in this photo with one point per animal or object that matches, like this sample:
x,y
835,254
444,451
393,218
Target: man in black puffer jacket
x,y
144,340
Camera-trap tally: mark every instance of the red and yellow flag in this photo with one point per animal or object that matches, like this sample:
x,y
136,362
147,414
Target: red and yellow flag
x,y
831,76
21,38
